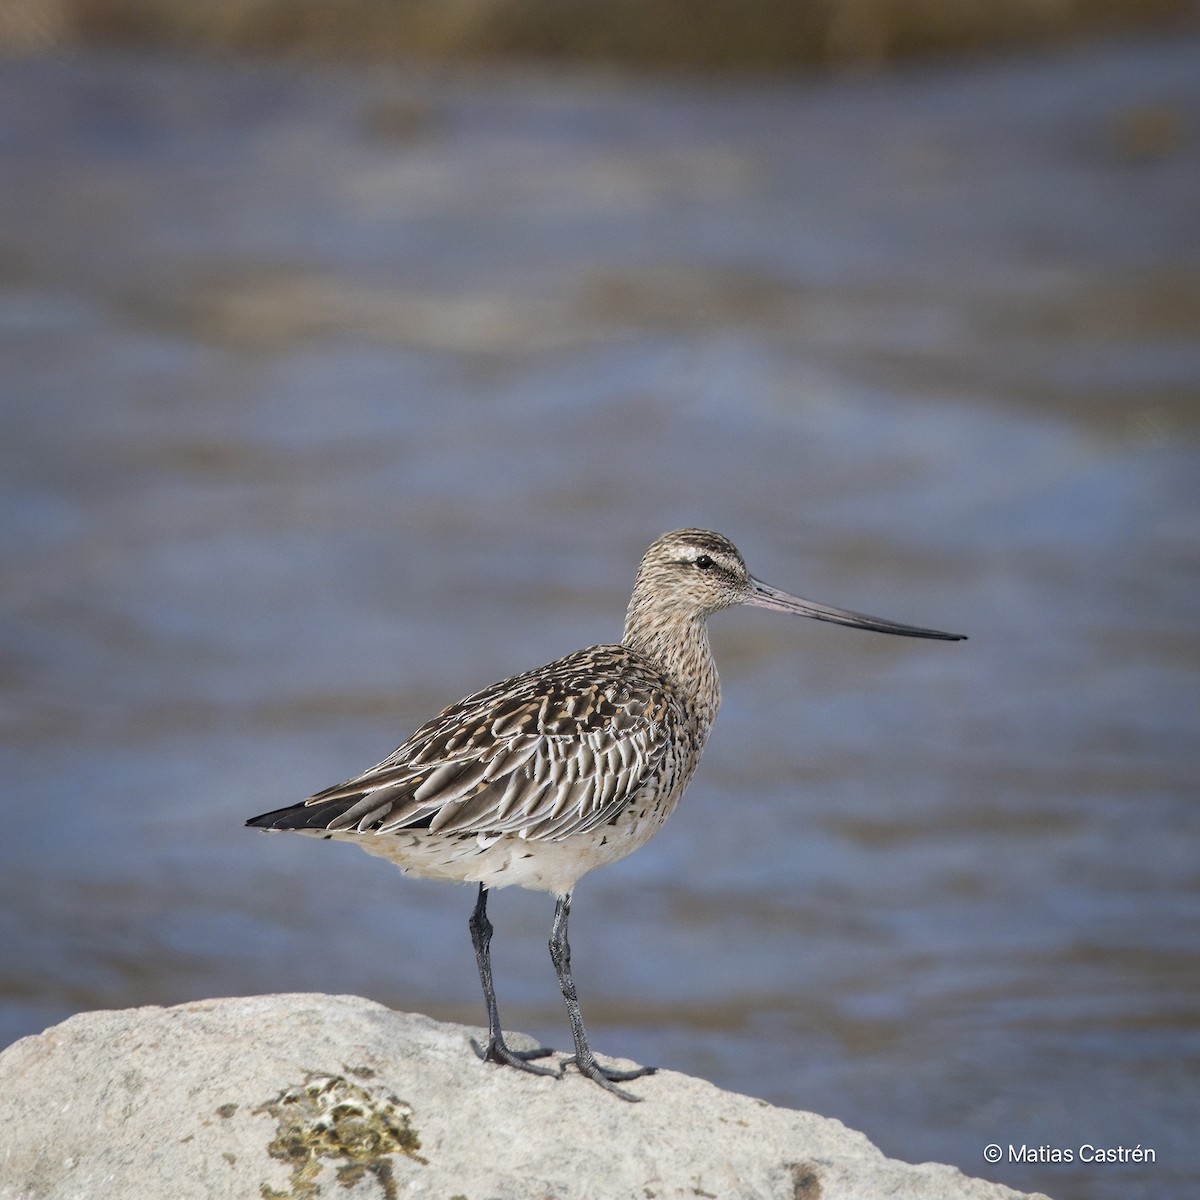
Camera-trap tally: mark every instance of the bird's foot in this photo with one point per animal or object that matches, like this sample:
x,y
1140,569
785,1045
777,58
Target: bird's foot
x,y
498,1052
609,1077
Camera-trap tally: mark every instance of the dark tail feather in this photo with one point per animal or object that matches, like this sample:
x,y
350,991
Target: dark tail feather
x,y
300,816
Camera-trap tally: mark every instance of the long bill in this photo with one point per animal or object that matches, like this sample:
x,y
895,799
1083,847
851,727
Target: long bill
x,y
762,595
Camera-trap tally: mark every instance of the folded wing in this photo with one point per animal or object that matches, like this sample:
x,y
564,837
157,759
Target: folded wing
x,y
554,752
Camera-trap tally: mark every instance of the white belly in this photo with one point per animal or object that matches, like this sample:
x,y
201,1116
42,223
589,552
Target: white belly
x,y
508,860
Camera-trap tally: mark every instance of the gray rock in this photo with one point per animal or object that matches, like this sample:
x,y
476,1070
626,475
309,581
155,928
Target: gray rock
x,y
308,1096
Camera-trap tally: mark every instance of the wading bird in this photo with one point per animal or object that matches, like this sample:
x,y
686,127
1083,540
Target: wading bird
x,y
543,777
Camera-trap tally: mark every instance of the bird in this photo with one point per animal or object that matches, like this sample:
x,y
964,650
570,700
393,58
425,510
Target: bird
x,y
545,776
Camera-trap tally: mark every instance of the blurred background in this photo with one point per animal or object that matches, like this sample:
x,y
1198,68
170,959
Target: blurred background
x,y
352,354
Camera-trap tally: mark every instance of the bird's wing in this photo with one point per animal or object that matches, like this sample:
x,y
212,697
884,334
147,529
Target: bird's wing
x,y
556,751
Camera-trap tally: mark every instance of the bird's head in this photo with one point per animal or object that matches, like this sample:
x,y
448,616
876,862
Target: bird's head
x,y
692,573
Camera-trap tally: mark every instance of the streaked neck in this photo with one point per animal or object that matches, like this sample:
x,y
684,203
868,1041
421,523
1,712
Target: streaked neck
x,y
677,643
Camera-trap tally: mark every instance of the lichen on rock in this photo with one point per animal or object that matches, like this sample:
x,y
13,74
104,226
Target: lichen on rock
x,y
329,1118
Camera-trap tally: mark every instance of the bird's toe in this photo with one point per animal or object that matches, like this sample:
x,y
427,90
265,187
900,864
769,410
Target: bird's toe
x,y
497,1051
609,1077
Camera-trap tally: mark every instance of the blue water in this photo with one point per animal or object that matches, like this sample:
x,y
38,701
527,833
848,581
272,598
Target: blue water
x,y
309,429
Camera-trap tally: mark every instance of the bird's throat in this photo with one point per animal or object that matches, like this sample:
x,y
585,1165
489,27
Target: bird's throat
x,y
680,650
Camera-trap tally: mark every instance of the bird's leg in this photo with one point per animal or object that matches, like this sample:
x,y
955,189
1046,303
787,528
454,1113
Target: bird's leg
x,y
585,1060
496,1050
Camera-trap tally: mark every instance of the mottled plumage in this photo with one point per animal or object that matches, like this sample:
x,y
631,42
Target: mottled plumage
x,y
542,777
547,754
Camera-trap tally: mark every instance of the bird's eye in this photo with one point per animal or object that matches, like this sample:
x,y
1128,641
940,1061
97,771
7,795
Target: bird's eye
x,y
703,562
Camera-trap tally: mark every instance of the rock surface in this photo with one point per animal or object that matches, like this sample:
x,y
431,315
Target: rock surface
x,y
302,1096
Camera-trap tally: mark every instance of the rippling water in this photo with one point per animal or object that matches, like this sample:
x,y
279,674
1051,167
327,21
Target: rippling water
x,y
330,396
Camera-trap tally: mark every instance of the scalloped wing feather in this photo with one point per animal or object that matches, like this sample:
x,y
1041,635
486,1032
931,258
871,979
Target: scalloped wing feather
x,y
544,755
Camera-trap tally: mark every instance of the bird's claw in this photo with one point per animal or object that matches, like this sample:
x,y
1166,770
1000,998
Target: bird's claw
x,y
498,1052
609,1077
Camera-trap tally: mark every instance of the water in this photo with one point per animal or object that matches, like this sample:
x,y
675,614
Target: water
x,y
330,395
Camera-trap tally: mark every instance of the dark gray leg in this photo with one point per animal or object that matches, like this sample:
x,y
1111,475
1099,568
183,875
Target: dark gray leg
x,y
585,1060
496,1051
